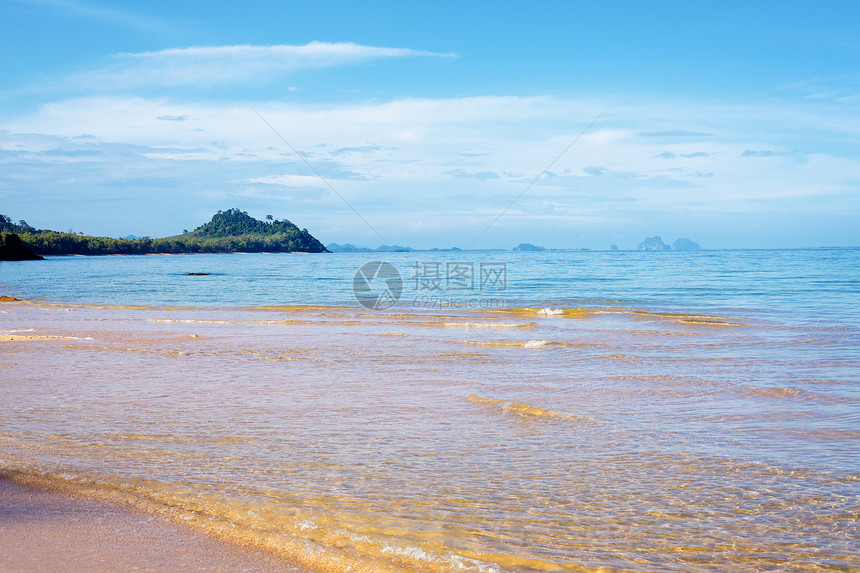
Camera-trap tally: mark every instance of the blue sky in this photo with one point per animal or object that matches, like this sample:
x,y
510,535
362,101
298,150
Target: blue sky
x,y
734,124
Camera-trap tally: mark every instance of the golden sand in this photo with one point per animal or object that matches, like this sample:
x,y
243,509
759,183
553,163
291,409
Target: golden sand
x,y
46,530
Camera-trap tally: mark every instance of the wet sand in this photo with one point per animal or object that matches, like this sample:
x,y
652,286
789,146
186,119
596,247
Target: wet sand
x,y
19,338
45,530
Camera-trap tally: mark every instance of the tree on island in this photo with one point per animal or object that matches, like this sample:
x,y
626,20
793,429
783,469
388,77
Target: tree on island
x,y
228,231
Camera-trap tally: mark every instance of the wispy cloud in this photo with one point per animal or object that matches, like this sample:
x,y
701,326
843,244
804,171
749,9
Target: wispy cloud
x,y
479,175
762,153
94,12
840,89
288,180
210,66
675,133
356,149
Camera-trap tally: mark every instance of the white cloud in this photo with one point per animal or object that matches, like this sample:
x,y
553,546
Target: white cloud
x,y
455,163
288,180
208,66
94,12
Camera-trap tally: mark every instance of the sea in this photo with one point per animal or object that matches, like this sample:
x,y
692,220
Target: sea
x,y
473,411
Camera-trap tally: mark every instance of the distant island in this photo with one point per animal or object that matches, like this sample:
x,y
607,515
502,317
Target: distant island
x,y
656,243
350,248
229,231
528,247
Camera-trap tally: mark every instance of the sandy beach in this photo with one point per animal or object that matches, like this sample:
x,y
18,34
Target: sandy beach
x,y
541,437
45,530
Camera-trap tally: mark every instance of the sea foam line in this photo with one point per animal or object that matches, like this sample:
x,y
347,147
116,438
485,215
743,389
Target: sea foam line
x,y
526,411
489,324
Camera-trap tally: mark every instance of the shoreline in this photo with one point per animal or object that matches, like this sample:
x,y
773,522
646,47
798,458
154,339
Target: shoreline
x,y
45,529
437,440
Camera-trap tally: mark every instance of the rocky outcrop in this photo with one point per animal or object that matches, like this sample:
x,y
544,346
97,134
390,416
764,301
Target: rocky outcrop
x,y
654,243
12,249
686,245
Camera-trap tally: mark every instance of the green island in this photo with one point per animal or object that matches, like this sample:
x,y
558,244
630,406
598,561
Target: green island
x,y
229,231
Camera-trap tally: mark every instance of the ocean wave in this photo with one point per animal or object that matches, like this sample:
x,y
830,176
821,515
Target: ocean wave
x,y
190,321
615,357
260,322
35,338
797,394
489,324
551,311
527,412
695,319
530,344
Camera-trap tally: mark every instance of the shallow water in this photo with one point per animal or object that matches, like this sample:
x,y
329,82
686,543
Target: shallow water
x,y
645,412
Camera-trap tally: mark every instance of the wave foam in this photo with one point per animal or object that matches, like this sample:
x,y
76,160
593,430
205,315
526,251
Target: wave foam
x,y
526,411
551,311
489,324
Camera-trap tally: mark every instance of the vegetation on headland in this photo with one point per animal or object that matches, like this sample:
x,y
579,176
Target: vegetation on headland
x,y
229,231
12,249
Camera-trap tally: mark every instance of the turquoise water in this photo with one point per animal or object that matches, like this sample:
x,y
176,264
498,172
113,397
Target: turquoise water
x,y
632,411
792,283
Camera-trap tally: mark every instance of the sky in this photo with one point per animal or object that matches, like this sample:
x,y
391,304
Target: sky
x,y
437,124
